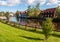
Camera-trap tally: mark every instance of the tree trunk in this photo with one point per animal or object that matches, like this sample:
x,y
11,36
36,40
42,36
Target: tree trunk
x,y
46,39
35,28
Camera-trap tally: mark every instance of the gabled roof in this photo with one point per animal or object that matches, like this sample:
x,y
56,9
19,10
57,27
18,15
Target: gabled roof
x,y
50,10
23,12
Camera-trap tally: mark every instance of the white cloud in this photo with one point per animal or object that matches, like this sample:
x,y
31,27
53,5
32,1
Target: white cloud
x,y
48,4
14,2
3,3
42,2
31,1
53,1
59,4
9,2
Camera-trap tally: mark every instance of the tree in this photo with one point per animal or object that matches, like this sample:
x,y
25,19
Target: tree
x,y
48,27
29,11
7,15
58,11
33,11
37,10
17,15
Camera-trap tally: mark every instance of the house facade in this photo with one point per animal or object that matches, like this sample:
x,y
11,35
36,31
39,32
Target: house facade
x,y
2,16
1,13
11,14
12,17
22,14
49,13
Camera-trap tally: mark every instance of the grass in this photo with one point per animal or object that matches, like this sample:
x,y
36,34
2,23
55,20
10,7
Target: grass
x,y
11,34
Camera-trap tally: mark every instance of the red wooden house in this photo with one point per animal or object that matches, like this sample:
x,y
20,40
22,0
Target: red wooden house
x,y
49,13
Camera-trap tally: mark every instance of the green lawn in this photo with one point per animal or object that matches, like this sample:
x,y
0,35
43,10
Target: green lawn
x,y
11,34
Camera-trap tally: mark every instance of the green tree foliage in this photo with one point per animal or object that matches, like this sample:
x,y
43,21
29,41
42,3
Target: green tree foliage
x,y
29,11
33,11
37,10
58,11
7,15
48,27
17,14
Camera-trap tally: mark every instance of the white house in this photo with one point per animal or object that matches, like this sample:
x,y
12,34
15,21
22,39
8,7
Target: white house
x,y
11,14
3,17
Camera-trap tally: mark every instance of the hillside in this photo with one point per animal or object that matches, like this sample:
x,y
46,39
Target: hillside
x,y
11,34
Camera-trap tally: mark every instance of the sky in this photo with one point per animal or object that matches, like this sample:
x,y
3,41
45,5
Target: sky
x,y
22,5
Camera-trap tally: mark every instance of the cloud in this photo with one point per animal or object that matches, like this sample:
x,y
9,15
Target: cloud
x,y
3,3
59,3
32,2
9,2
29,2
48,4
42,2
14,2
53,1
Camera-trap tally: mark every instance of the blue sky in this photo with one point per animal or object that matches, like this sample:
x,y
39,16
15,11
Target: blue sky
x,y
21,5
